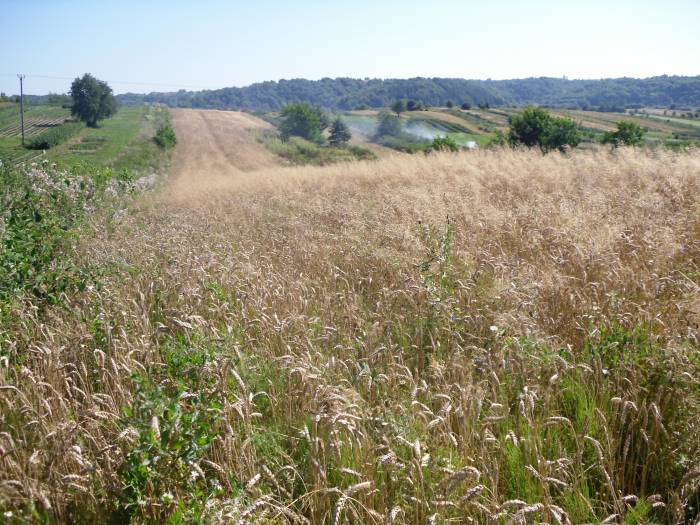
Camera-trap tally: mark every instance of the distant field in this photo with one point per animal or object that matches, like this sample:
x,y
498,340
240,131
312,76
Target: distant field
x,y
121,141
481,124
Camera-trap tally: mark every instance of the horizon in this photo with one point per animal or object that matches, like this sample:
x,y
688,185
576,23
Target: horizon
x,y
168,46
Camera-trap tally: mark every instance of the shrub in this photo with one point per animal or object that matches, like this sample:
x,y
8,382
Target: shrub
x,y
445,143
55,136
628,133
165,137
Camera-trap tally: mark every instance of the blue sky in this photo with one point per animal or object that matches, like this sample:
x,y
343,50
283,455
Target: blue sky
x,y
162,45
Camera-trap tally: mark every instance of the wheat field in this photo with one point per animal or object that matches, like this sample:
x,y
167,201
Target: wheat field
x,y
483,337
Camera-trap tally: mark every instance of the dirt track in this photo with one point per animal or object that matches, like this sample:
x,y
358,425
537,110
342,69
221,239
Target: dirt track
x,y
215,143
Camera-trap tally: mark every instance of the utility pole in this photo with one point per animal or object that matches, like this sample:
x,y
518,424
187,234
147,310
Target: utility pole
x,y
21,104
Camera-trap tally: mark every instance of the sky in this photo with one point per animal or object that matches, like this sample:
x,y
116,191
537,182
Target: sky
x,y
158,45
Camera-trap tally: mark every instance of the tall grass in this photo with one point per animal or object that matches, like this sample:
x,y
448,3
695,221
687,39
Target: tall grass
x,y
486,337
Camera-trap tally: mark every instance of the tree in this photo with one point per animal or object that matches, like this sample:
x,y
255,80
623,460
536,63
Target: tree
x,y
536,127
92,100
303,120
628,133
450,104
388,125
466,105
340,134
412,105
398,107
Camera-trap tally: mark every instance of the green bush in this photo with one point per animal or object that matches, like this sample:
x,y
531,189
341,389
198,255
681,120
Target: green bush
x,y
405,142
55,136
298,151
303,120
628,133
445,143
165,137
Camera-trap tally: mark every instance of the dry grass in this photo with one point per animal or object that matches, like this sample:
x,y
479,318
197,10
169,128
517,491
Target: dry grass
x,y
487,337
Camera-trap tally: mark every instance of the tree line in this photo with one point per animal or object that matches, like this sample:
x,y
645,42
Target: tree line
x,y
348,93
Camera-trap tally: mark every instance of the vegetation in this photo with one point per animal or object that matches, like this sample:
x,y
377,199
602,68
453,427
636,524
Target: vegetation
x,y
303,120
348,93
536,127
340,134
398,107
628,133
92,100
55,136
299,151
388,125
321,345
165,137
445,143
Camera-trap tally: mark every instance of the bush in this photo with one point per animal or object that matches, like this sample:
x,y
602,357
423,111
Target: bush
x,y
628,133
405,142
165,137
445,143
55,136
299,151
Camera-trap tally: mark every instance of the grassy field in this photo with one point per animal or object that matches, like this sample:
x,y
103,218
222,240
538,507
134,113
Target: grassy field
x,y
481,337
124,141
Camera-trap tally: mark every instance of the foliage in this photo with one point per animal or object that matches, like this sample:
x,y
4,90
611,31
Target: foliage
x,y
349,93
445,143
340,134
165,137
466,105
303,120
628,133
398,107
404,142
413,105
449,104
299,151
536,127
92,100
55,136
389,125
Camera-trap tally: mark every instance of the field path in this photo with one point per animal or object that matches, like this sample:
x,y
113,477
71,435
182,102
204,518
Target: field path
x,y
214,143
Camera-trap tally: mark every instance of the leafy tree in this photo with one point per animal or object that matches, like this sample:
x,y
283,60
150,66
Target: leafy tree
x,y
398,107
389,125
92,100
536,127
340,134
303,120
450,104
466,105
628,133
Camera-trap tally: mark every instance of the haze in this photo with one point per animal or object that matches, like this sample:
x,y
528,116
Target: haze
x,y
165,46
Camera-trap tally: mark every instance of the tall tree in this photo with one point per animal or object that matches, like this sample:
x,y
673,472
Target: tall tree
x,y
536,127
92,100
398,107
340,134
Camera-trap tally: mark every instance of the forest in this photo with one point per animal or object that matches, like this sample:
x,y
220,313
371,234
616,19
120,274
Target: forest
x,y
347,93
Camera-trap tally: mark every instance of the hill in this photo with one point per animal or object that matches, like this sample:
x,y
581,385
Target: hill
x,y
349,93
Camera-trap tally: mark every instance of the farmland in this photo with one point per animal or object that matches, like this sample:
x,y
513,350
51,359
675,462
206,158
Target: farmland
x,y
122,141
493,336
481,124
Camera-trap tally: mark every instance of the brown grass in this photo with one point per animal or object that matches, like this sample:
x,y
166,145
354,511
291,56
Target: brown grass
x,y
351,362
